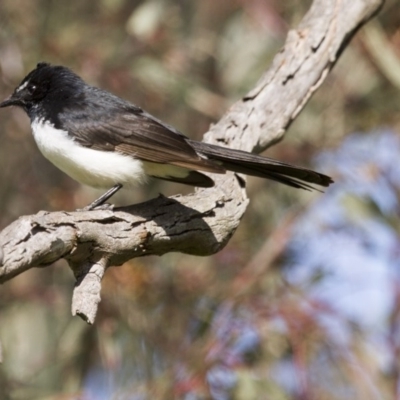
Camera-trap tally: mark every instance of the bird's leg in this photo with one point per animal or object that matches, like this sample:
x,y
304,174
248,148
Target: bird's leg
x,y
102,199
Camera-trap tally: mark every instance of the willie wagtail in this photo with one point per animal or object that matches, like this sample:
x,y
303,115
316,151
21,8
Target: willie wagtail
x,y
103,141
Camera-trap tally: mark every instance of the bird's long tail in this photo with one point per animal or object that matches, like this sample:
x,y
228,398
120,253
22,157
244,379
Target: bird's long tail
x,y
263,167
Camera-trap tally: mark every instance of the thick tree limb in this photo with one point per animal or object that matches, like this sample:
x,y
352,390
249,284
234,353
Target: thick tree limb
x,y
203,222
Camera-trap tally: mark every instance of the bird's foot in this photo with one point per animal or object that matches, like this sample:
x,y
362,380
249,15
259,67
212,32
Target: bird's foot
x,y
100,207
100,204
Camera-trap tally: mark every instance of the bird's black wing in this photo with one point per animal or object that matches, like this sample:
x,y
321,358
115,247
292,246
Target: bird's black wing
x,y
133,132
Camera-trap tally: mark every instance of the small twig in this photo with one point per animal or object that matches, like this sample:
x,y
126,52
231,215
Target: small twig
x,y
86,296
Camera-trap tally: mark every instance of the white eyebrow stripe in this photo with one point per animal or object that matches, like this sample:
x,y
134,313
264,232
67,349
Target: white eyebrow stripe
x,y
22,87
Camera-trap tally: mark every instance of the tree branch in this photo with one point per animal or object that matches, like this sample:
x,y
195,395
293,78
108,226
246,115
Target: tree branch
x,y
203,222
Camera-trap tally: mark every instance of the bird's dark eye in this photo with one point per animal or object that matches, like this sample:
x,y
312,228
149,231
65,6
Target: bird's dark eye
x,y
31,88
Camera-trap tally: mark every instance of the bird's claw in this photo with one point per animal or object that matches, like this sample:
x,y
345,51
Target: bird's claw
x,y
101,207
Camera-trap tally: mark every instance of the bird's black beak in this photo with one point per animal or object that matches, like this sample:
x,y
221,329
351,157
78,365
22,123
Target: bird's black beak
x,y
13,100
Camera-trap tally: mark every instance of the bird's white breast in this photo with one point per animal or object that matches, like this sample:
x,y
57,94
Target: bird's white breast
x,y
94,168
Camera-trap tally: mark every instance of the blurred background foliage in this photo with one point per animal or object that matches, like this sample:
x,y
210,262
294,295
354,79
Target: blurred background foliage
x,y
304,301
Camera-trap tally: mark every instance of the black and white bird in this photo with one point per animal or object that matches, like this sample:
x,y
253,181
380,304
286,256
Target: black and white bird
x,y
105,142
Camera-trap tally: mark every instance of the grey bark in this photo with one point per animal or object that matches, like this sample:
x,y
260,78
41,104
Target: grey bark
x,y
203,222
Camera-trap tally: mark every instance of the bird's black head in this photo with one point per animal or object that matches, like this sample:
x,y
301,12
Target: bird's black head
x,y
46,84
